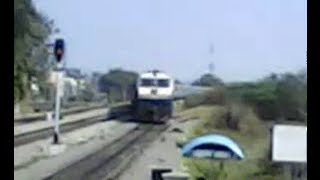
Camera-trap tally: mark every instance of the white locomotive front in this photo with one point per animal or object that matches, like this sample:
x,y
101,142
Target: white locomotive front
x,y
155,85
154,94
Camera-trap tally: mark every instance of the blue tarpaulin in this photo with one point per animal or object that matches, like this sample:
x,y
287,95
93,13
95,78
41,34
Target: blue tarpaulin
x,y
215,140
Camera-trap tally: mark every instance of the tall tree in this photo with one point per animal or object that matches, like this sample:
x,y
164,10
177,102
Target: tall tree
x,y
118,80
30,31
208,80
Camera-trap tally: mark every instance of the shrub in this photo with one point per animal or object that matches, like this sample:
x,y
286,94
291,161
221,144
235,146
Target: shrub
x,y
277,96
251,125
237,117
215,97
267,169
193,101
204,169
211,97
231,117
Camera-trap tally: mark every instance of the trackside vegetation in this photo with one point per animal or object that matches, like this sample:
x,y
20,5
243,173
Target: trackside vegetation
x,y
244,112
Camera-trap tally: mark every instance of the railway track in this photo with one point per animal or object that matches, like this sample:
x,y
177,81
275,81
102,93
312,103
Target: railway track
x,y
47,132
118,112
42,116
111,160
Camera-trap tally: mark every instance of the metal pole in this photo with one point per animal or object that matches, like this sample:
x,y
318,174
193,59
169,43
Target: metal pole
x,y
287,171
222,174
57,106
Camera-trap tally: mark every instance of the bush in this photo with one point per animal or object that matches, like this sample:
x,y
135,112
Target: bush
x,y
208,115
267,169
208,80
277,96
181,142
193,101
237,117
217,119
252,125
230,117
211,97
87,95
205,169
215,97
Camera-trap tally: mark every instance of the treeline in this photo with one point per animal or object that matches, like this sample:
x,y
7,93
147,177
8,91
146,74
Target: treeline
x,y
242,111
30,31
118,84
275,97
208,80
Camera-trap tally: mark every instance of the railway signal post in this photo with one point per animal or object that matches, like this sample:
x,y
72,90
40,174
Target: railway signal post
x,y
59,48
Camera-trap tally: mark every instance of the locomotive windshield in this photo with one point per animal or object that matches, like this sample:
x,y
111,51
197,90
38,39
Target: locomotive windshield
x,y
154,82
163,83
147,82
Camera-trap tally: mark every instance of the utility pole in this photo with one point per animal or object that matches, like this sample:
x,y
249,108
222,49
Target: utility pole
x,y
211,65
211,68
59,53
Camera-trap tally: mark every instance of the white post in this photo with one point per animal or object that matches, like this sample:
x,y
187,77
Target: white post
x,y
57,105
175,176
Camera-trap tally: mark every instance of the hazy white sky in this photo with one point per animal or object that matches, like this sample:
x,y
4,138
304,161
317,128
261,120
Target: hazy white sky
x,y
251,38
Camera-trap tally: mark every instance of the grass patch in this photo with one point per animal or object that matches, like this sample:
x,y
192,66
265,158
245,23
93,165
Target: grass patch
x,y
25,107
178,106
210,97
251,135
200,112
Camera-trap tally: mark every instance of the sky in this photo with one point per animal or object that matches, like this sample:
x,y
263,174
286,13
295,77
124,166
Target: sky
x,y
248,39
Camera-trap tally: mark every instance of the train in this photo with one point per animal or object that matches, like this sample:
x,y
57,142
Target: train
x,y
153,100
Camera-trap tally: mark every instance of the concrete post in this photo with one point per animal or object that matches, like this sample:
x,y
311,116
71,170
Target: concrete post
x,y
156,172
17,109
175,176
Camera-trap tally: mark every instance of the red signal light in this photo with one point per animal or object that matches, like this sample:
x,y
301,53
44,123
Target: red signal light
x,y
59,49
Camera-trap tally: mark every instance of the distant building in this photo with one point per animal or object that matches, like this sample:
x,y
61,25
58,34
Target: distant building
x,y
74,73
74,82
70,87
81,84
95,77
35,88
78,76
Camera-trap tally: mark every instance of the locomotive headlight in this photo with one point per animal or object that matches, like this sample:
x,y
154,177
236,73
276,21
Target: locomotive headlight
x,y
153,91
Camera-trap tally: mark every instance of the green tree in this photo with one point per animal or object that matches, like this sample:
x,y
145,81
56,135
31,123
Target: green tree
x,y
30,31
208,80
263,98
88,93
118,80
291,96
177,82
275,96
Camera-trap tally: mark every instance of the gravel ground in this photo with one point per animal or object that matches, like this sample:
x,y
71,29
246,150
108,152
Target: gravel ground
x,y
163,152
21,129
33,161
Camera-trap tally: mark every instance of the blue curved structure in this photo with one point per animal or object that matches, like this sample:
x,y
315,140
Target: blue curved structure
x,y
214,142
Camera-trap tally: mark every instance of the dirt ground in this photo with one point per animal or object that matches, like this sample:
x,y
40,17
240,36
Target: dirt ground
x,y
161,153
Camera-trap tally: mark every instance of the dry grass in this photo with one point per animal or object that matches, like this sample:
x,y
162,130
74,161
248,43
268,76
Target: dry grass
x,y
252,137
25,107
210,97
